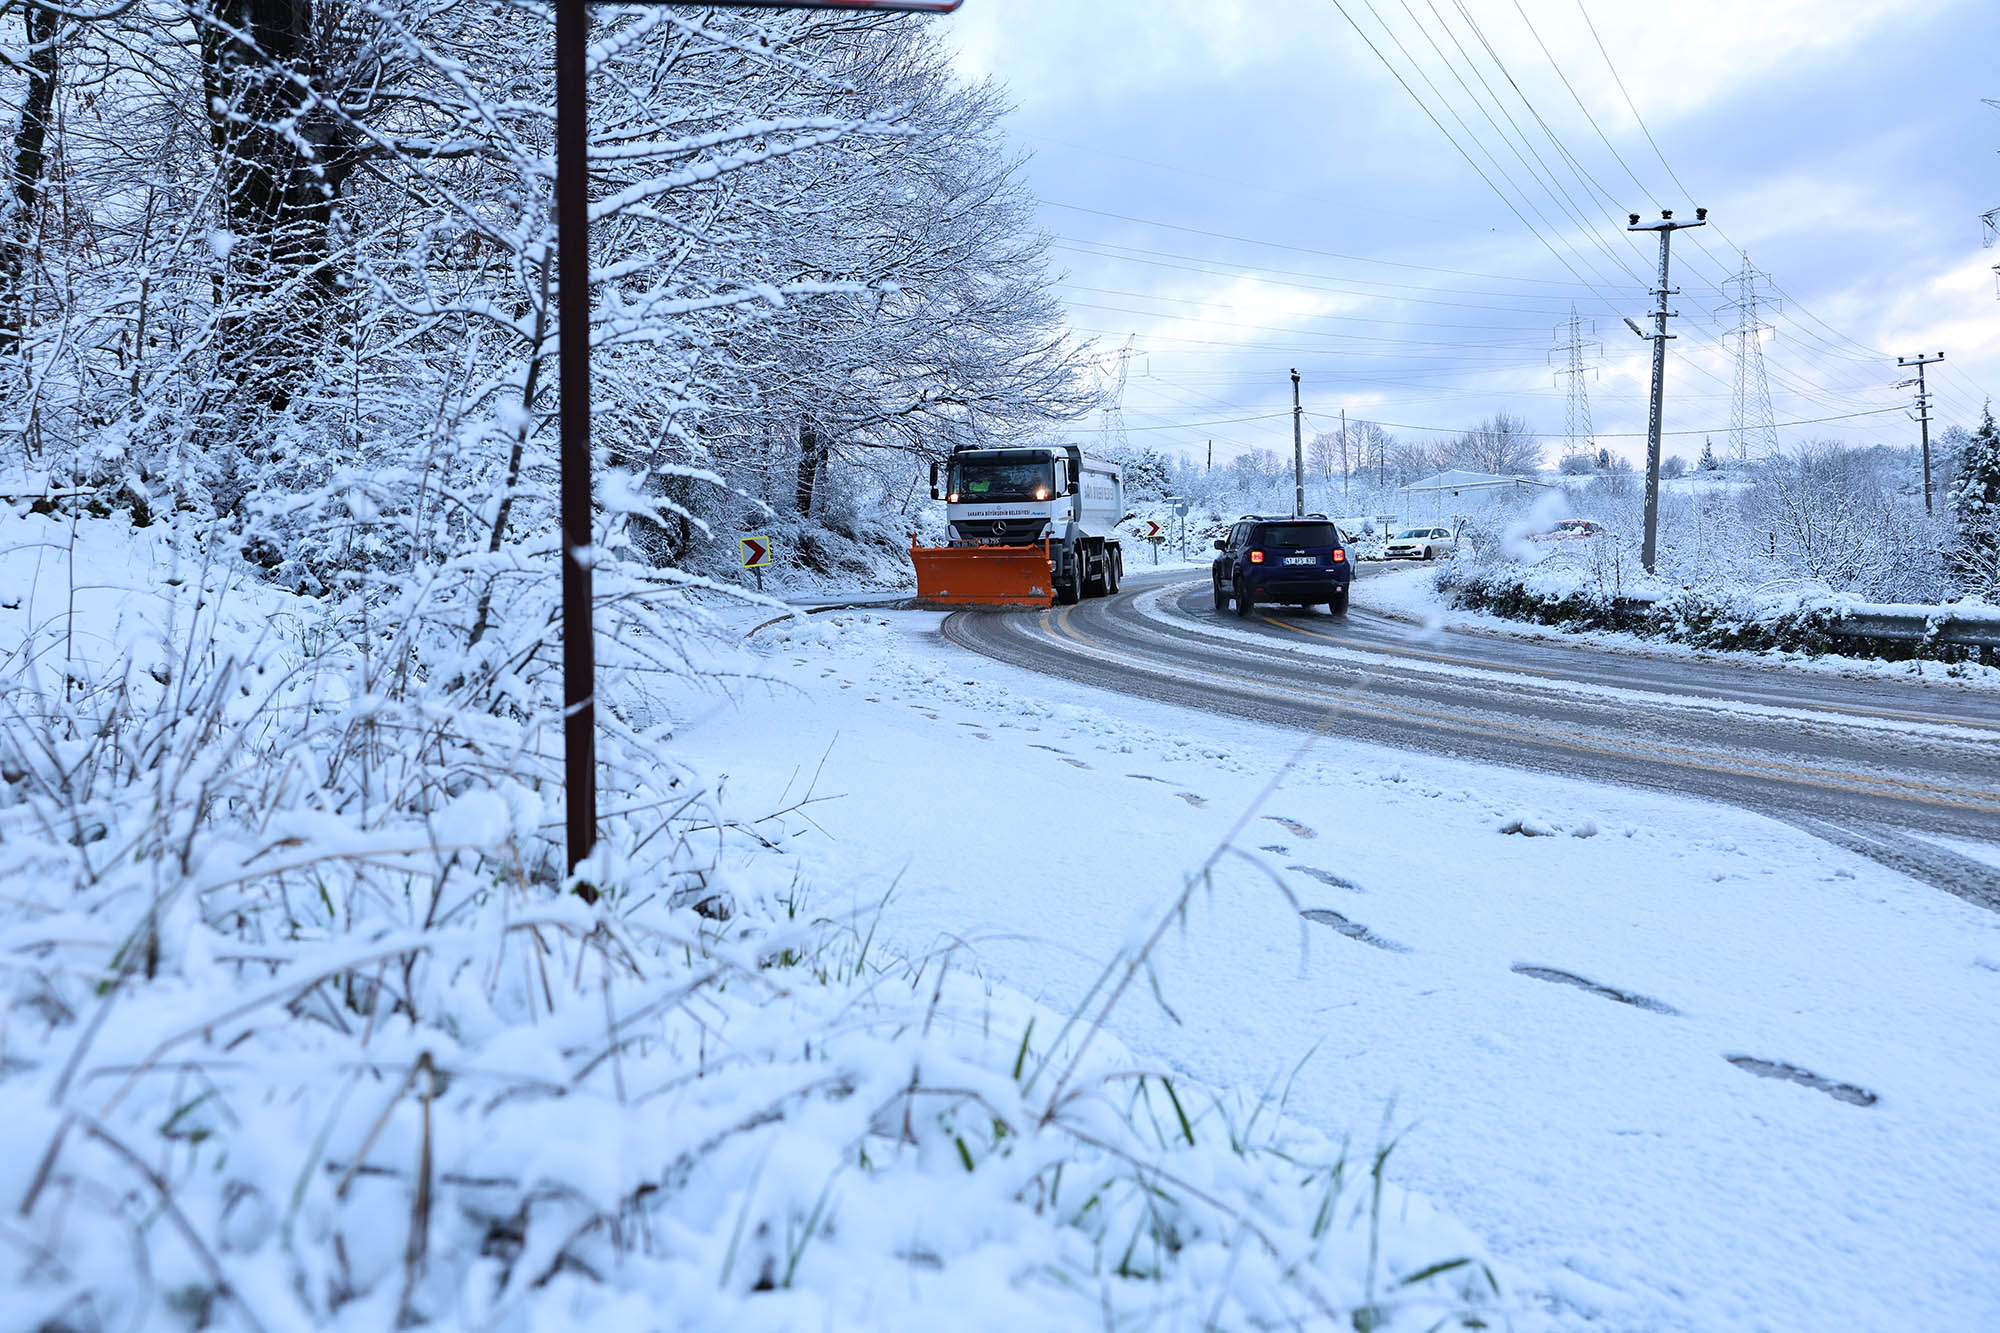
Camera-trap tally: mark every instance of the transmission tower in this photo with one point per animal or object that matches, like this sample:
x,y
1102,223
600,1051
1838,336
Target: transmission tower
x,y
1990,219
1117,366
1751,420
1582,437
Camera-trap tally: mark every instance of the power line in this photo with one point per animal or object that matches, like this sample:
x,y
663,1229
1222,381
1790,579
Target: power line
x,y
1498,193
1303,249
1076,246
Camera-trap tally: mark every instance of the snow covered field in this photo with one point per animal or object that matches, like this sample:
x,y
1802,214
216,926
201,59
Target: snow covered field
x,y
1653,1064
1556,998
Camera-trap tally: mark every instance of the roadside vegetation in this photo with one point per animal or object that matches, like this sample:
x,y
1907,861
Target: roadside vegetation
x,y
306,1025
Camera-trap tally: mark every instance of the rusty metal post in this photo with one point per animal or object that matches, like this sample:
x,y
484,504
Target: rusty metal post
x,y
573,334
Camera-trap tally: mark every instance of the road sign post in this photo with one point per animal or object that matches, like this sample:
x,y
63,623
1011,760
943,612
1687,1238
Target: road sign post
x,y
573,349
753,553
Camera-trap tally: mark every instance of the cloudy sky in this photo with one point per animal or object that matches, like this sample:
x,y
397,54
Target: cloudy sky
x,y
1404,198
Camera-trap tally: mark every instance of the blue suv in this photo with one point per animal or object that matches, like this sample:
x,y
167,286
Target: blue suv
x,y
1302,561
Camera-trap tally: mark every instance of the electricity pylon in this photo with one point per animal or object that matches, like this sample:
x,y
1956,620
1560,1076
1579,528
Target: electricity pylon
x,y
1751,420
1581,436
1119,365
1990,219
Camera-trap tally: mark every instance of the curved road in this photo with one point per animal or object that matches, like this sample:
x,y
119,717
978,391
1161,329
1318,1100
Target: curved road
x,y
1869,765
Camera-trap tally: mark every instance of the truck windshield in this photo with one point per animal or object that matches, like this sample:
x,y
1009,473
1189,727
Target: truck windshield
x,y
978,479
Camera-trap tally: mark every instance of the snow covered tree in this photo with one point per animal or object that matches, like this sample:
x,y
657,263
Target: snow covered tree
x,y
1975,512
18,209
1502,445
1148,472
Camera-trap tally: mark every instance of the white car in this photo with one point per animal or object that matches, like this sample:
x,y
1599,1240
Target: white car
x,y
1420,544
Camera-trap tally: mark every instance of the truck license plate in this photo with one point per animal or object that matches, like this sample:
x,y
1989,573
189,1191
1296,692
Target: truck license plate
x,y
1301,559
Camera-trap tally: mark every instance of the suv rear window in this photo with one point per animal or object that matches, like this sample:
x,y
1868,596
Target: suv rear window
x,y
1296,536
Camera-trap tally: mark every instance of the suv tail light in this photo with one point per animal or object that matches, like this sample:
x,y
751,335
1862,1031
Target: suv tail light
x,y
1339,556
1256,557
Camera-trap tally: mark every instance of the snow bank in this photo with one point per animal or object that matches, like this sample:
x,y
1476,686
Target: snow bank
x,y
1773,618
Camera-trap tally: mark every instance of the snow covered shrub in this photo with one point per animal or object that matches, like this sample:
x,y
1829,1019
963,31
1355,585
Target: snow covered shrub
x,y
1834,515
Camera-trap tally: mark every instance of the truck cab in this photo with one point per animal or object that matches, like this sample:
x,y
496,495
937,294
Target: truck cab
x,y
1047,495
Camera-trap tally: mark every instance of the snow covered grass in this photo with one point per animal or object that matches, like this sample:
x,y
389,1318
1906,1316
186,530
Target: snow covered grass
x,y
305,1029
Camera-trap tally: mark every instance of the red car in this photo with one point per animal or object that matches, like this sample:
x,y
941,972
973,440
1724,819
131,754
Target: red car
x,y
1571,530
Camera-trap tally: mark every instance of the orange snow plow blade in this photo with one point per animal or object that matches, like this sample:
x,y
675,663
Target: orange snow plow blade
x,y
983,575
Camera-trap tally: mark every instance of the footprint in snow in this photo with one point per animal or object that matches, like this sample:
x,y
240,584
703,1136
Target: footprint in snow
x,y
1328,878
1050,748
1292,826
981,736
1074,763
1633,998
1191,798
1275,848
1846,1092
1354,930
1148,777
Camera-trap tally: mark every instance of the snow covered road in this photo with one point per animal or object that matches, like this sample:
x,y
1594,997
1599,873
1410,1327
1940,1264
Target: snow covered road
x,y
1863,763
1682,1065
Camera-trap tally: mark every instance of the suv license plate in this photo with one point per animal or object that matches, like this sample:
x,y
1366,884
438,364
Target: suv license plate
x,y
1301,559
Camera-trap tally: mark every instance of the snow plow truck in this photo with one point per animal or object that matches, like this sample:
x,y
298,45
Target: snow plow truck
x,y
1031,526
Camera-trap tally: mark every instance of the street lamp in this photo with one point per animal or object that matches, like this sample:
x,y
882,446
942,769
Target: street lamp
x,y
573,348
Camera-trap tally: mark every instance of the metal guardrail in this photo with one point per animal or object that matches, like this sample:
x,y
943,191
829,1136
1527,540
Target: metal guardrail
x,y
1906,627
1941,625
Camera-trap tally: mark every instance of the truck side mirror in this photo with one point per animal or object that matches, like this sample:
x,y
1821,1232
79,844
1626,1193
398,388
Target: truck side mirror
x,y
934,486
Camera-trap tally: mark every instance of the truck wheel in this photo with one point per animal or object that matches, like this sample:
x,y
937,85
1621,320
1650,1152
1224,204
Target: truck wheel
x,y
1069,591
1245,604
1113,572
1221,597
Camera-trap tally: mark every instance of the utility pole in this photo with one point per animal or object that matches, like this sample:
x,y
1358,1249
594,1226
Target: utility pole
x,y
1923,412
1211,455
1298,450
1344,470
1666,226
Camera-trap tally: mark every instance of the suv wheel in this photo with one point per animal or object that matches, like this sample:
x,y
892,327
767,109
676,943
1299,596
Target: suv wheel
x,y
1245,604
1221,597
1338,606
